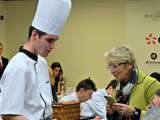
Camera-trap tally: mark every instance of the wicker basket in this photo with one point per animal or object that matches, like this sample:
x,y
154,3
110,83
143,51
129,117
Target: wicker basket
x,y
67,111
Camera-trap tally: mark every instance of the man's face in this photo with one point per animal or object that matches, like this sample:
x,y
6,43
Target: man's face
x,y
45,44
85,94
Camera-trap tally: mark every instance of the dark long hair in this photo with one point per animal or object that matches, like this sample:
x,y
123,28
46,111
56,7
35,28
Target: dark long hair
x,y
57,64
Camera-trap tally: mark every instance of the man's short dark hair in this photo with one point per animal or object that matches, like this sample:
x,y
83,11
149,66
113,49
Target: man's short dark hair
x,y
86,84
40,33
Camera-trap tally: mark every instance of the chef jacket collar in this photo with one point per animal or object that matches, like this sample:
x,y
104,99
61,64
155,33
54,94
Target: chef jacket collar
x,y
29,54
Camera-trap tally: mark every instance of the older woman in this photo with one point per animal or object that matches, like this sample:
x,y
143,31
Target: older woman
x,y
135,90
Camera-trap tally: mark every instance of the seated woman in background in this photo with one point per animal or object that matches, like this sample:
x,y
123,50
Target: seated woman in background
x,y
56,79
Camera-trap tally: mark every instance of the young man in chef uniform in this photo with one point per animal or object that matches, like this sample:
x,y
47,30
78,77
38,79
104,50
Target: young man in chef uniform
x,y
25,84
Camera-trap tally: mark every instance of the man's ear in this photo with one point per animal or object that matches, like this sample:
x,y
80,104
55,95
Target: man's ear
x,y
34,34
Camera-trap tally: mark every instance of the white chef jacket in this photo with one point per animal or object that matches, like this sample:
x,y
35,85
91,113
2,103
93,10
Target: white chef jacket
x,y
70,97
26,88
95,106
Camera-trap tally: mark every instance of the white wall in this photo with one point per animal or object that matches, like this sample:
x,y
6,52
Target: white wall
x,y
18,18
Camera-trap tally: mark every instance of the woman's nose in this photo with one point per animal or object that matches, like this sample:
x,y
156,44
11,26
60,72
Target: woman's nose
x,y
113,70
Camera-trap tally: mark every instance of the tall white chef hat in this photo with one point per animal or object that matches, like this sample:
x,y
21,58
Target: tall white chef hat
x,y
51,15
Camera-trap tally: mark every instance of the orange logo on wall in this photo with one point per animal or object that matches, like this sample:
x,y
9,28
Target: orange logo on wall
x,y
152,38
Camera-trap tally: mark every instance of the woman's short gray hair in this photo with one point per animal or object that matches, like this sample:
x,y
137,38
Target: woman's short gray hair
x,y
120,54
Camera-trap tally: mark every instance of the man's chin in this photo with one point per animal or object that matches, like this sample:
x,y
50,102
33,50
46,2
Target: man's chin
x,y
44,55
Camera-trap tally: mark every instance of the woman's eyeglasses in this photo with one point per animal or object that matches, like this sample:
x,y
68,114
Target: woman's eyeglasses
x,y
115,66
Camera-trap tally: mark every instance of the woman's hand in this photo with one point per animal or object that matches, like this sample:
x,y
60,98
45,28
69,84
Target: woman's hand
x,y
109,110
123,109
